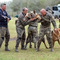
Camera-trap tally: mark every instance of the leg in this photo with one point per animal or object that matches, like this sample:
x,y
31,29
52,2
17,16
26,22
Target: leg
x,y
31,38
22,41
27,41
1,41
19,37
49,38
17,44
43,40
41,36
38,45
58,42
53,43
2,35
7,37
30,45
35,36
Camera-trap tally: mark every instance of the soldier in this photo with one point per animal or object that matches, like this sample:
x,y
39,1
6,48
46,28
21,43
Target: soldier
x,y
32,31
45,28
20,28
4,32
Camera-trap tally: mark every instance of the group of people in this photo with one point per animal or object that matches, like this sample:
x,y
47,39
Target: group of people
x,y
45,18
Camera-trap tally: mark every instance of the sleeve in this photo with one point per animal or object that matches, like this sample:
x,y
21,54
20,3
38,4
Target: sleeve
x,y
8,16
21,19
1,16
53,21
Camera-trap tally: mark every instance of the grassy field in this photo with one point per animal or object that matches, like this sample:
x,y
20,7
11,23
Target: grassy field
x,y
29,54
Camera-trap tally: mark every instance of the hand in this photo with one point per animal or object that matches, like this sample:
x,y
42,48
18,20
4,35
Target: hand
x,y
8,19
32,19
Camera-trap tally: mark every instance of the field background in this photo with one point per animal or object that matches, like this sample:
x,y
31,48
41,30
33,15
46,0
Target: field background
x,y
29,54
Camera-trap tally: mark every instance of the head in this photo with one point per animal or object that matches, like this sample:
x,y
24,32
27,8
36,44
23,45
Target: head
x,y
43,12
3,6
25,10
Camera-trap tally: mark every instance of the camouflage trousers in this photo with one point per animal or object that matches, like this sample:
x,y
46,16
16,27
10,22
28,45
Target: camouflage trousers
x,y
32,35
4,33
45,31
20,37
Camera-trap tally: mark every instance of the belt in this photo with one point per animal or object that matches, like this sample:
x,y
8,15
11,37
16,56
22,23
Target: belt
x,y
33,26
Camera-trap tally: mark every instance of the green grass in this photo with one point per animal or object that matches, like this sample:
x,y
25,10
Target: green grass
x,y
29,54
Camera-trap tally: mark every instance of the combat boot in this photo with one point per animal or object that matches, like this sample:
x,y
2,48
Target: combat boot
x,y
23,48
6,49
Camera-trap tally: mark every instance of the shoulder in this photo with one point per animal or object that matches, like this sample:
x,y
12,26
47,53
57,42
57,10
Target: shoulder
x,y
49,14
20,15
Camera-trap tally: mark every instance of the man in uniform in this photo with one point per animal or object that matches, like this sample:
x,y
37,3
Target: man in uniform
x,y
45,28
32,31
4,32
20,28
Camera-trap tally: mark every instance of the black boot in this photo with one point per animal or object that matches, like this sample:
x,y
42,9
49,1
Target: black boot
x,y
23,48
6,49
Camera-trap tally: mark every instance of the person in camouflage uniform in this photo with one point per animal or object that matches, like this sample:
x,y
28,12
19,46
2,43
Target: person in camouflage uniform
x,y
20,28
32,31
45,28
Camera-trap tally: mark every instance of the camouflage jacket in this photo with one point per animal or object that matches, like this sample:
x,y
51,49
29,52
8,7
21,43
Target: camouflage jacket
x,y
47,20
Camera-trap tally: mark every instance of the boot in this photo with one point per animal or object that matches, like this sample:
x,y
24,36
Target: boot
x,y
16,50
23,48
37,50
6,49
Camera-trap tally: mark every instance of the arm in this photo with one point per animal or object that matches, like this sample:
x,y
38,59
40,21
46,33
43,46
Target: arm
x,y
8,16
21,19
53,22
1,16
